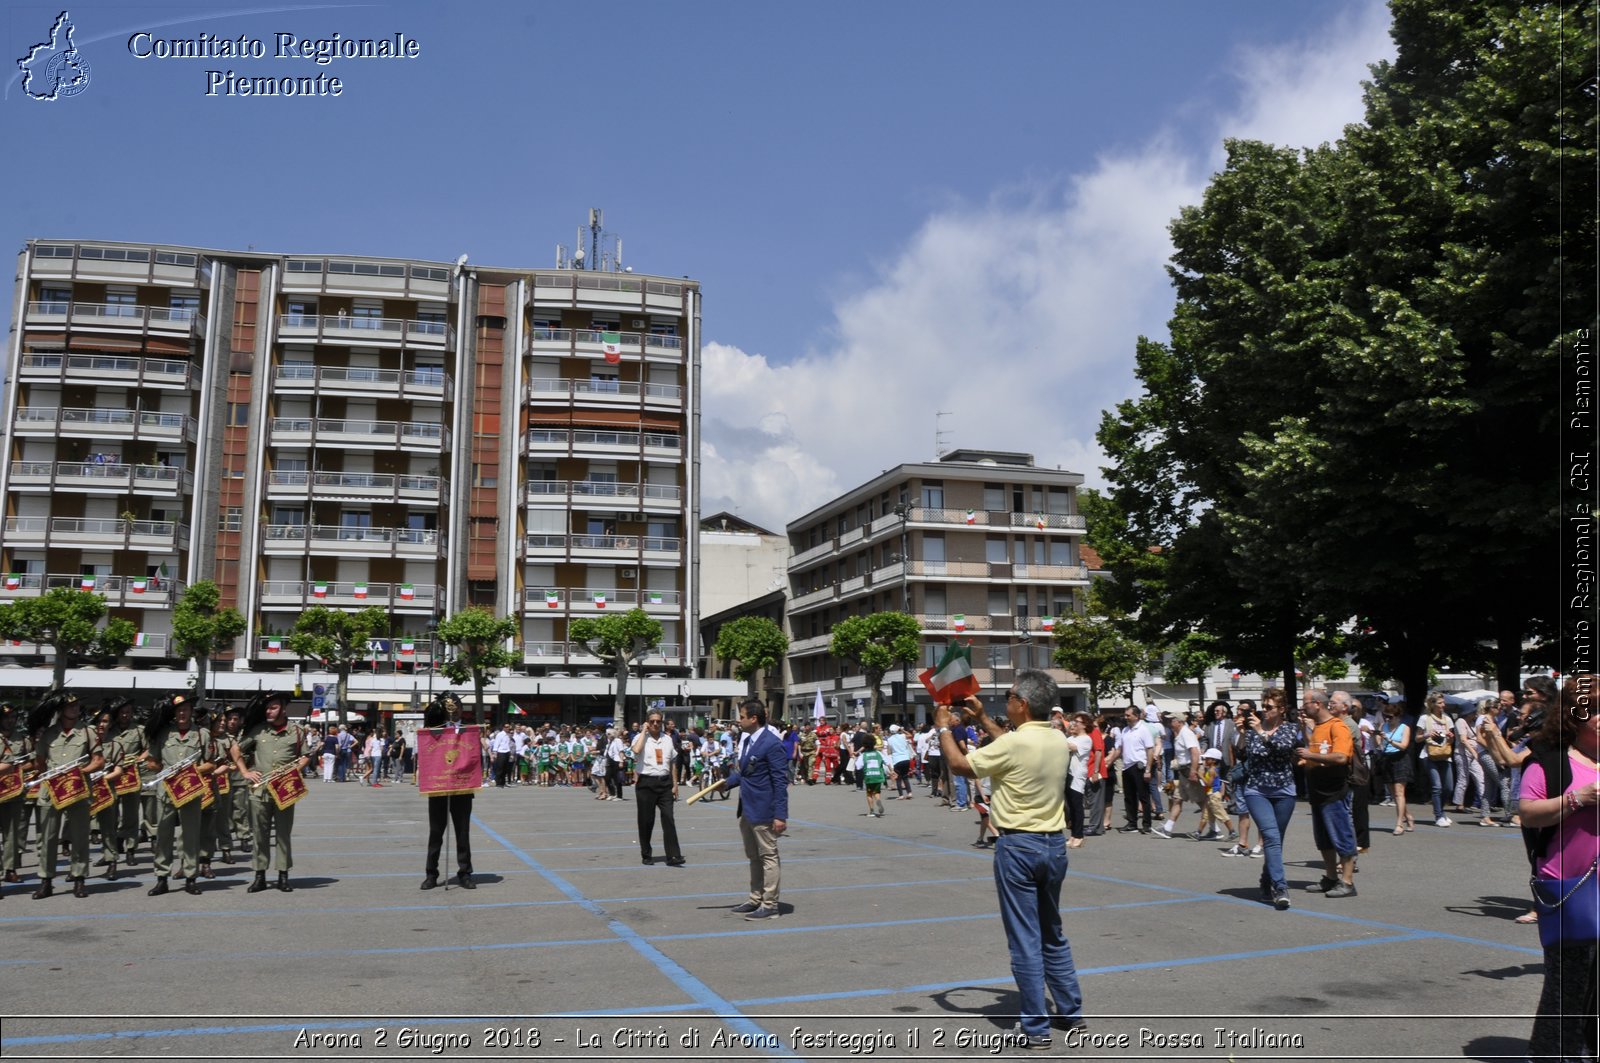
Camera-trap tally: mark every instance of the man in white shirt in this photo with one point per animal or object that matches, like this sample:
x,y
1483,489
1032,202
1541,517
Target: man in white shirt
x,y
1185,771
1136,752
501,746
656,786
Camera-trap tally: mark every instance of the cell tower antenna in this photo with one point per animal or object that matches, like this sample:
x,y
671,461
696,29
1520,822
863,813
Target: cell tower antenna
x,y
940,435
595,249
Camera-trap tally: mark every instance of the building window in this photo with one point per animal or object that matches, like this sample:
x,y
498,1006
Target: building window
x,y
994,551
933,495
994,498
232,519
238,414
999,601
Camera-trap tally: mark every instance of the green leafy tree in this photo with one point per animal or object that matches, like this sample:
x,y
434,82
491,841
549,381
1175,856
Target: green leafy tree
x,y
877,643
756,643
478,642
338,639
1193,657
200,629
1095,648
68,621
619,639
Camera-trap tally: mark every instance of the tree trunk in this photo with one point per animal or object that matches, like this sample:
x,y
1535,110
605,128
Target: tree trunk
x,y
876,681
200,671
1411,668
343,690
1291,692
1508,653
58,676
619,708
1200,688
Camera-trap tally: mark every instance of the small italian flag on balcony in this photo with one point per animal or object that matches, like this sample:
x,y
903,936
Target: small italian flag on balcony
x,y
599,600
408,649
273,645
655,598
611,344
140,586
1039,521
407,592
960,621
1048,623
972,516
319,590
552,599
361,590
141,639
13,581
86,583
952,679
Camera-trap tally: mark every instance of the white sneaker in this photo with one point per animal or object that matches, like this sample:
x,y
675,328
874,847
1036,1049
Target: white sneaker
x,y
1256,852
1442,821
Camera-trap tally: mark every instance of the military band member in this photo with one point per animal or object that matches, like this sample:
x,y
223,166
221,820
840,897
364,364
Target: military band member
x,y
273,745
130,740
233,816
445,711
16,754
60,743
172,742
106,821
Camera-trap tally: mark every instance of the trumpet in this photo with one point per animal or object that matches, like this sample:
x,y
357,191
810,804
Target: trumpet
x,y
151,783
276,773
62,770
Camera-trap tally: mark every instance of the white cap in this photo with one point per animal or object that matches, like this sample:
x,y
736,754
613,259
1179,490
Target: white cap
x,y
894,728
1212,754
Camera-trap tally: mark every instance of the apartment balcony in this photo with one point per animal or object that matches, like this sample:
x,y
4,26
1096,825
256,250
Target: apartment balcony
x,y
602,394
544,652
148,646
356,487
356,331
821,550
590,343
935,623
816,644
347,594
123,318
275,647
104,424
360,382
997,572
108,533
98,478
618,549
332,540
93,370
603,495
130,591
591,601
976,518
601,444
398,650
411,436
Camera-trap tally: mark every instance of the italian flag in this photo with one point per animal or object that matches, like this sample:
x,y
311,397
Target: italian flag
x,y
960,621
361,590
1039,521
139,586
141,639
599,601
86,583
552,599
407,649
13,581
611,344
1048,623
407,592
952,679
319,590
513,709
273,646
972,516
655,597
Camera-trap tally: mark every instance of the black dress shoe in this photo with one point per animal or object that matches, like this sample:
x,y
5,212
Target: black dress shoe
x,y
45,889
159,888
647,861
190,886
12,876
79,890
283,883
465,881
206,872
111,873
677,862
259,884
430,883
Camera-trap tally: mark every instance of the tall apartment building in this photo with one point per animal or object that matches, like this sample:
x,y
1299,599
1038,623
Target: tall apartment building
x,y
981,546
355,432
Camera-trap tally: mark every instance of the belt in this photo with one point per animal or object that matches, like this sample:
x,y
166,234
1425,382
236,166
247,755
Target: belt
x,y
1008,830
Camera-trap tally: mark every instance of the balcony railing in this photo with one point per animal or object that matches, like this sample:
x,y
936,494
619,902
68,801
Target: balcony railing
x,y
424,434
998,519
547,439
99,531
359,329
543,652
558,492
102,476
299,377
108,422
105,368
362,485
120,315
350,593
118,590
335,538
592,599
980,570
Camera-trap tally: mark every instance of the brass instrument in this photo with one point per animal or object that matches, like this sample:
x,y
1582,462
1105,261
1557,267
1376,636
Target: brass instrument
x,y
285,785
71,788
156,780
62,770
278,772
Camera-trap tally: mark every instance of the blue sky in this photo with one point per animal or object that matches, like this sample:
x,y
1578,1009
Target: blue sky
x,y
894,207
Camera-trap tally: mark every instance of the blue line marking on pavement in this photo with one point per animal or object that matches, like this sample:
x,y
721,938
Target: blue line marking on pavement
x,y
691,986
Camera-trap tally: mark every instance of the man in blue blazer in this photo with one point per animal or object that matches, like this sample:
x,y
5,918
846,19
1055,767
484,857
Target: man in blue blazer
x,y
761,771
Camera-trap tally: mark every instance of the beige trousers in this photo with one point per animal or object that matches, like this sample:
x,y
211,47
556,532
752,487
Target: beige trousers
x,y
761,846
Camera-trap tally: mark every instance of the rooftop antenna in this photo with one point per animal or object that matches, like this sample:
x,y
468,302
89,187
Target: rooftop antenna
x,y
940,435
595,248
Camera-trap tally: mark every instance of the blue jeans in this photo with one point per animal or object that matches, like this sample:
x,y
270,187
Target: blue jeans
x,y
1028,869
960,782
1443,779
1333,828
1271,815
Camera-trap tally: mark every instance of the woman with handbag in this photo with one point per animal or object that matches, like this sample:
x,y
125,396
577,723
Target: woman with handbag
x,y
1436,736
1562,833
1392,741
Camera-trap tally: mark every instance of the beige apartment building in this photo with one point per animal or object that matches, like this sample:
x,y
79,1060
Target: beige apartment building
x,y
352,432
980,546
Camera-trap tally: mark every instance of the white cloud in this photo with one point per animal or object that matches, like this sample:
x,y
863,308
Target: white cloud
x,y
1018,316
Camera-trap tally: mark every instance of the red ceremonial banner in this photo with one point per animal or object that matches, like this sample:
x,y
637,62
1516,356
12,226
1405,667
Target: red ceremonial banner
x,y
10,784
448,761
100,797
128,782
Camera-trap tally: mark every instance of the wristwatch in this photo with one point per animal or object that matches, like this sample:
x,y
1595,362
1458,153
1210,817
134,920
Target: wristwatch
x,y
944,730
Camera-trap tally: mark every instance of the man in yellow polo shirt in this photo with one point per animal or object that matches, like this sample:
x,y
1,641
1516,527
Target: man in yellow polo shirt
x,y
1027,769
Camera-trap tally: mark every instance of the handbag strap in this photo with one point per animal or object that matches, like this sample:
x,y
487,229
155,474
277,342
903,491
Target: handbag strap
x,y
1552,905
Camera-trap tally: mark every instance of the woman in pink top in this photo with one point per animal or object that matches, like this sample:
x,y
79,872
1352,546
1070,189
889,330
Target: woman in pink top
x,y
1564,1027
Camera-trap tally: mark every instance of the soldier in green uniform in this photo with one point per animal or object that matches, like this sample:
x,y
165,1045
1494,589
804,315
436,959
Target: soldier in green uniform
x,y
172,742
130,740
106,822
272,745
233,812
59,743
16,752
